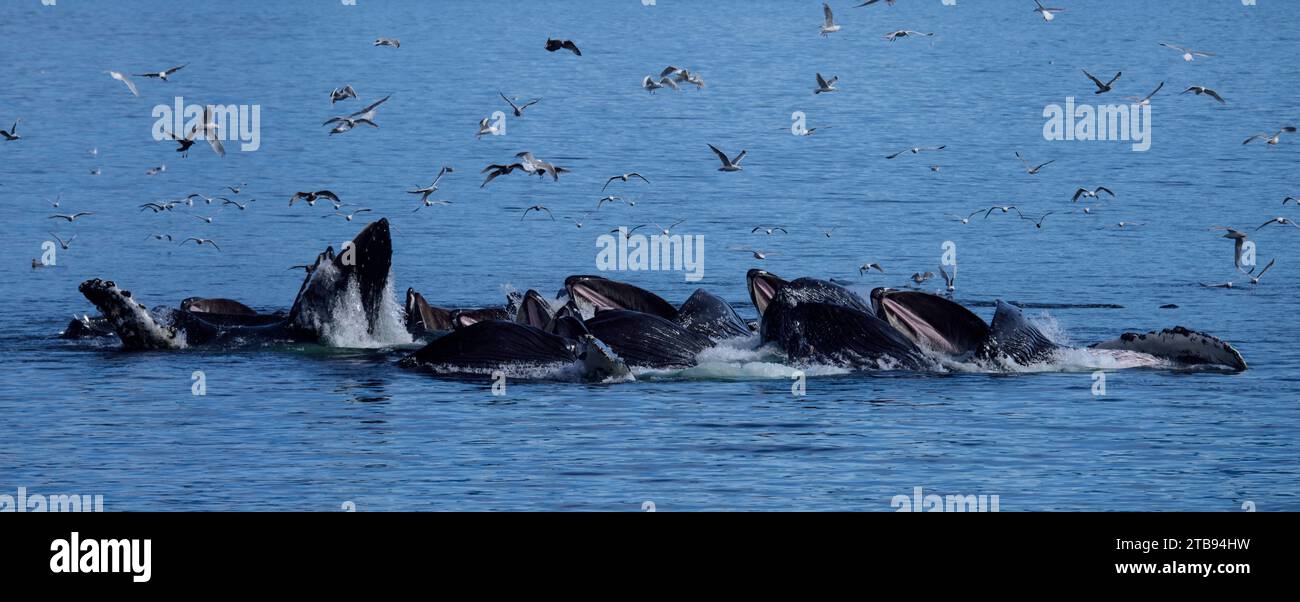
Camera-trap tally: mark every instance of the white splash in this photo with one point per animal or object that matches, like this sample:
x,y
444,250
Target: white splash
x,y
343,321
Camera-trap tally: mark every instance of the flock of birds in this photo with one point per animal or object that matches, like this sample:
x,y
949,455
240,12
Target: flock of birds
x,y
673,78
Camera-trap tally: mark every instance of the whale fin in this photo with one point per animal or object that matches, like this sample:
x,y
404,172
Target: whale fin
x,y
1181,345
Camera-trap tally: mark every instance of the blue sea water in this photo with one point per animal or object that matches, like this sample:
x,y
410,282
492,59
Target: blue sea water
x,y
311,428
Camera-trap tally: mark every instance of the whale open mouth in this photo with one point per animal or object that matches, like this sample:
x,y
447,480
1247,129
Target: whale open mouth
x,y
363,266
930,320
762,288
132,322
603,294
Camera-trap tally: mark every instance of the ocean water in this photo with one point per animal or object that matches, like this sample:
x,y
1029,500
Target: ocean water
x,y
309,428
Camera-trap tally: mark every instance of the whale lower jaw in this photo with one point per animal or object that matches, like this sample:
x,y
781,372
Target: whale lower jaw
x,y
134,325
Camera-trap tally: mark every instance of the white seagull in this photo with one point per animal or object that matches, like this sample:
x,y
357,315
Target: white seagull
x,y
829,26
728,164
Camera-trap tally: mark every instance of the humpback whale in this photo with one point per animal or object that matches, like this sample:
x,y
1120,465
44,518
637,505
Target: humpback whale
x,y
492,345
815,321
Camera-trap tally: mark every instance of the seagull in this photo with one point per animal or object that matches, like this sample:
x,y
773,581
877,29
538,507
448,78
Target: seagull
x,y
825,86
1102,88
343,93
432,188
538,208
1122,225
1254,278
349,216
486,129
12,134
807,131
209,130
1091,194
829,27
866,267
1005,209
59,200
1038,223
534,166
166,237
158,208
428,203
668,231
917,149
519,109
1284,201
71,218
758,254
394,42
312,197
1238,242
1224,285
153,171
1188,54
553,44
629,232
347,123
902,33
1270,138
769,230
728,164
365,115
624,177
1048,13
65,243
130,85
207,200
608,199
498,170
201,242
163,75
828,233
682,76
966,220
206,220
1145,100
1199,90
236,189
1034,169
920,278
576,221
236,204
651,85
950,281
869,2
184,144
1281,221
